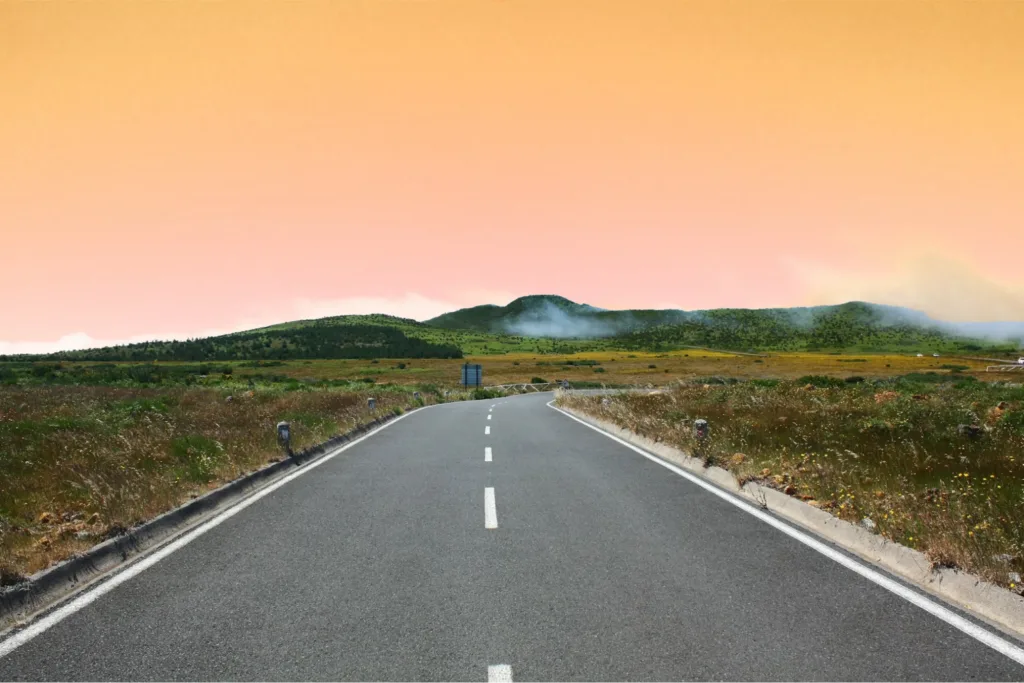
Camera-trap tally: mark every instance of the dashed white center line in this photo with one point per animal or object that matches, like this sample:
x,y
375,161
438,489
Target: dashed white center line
x,y
487,430
490,511
489,417
499,673
487,454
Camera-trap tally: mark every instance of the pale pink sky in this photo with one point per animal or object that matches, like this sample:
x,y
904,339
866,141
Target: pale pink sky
x,y
181,168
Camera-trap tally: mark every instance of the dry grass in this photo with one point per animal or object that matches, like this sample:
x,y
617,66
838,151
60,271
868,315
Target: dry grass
x,y
890,452
622,367
81,464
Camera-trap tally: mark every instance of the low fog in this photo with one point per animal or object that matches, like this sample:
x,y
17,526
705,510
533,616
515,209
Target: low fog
x,y
549,320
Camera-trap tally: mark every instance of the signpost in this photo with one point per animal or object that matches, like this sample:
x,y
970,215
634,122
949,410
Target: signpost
x,y
472,375
284,437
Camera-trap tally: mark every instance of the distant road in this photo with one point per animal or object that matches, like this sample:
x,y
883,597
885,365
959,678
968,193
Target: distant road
x,y
465,542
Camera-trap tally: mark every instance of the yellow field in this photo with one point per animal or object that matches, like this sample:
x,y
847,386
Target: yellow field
x,y
627,368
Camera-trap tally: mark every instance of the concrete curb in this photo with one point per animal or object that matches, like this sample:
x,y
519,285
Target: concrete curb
x,y
46,587
992,603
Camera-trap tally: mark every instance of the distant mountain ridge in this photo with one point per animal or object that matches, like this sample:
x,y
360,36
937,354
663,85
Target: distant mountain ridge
x,y
558,317
554,324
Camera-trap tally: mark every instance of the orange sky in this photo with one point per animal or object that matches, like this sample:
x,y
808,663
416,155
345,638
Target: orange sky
x,y
174,168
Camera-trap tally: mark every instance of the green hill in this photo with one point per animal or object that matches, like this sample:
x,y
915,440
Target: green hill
x,y
851,326
854,326
553,324
327,338
491,318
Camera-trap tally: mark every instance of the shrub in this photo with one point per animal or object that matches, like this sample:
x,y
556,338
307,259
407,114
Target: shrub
x,y
198,455
820,381
538,380
483,394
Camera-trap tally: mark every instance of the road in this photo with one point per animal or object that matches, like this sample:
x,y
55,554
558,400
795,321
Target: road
x,y
601,565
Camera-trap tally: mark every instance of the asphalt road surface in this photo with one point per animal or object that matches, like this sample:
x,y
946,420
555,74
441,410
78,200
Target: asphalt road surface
x,y
560,554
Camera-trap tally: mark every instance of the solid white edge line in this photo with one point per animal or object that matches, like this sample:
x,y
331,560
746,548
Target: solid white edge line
x,y
487,430
36,628
490,510
487,454
499,673
980,634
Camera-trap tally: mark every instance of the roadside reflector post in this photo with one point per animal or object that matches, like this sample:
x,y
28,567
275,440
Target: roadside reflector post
x,y
700,435
372,403
416,395
284,437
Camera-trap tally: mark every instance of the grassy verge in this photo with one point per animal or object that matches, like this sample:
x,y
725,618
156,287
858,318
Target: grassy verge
x,y
613,368
83,463
931,461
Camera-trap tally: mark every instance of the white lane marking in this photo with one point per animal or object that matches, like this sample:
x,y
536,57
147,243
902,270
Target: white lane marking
x,y
36,628
490,511
499,673
487,430
489,417
487,454
936,610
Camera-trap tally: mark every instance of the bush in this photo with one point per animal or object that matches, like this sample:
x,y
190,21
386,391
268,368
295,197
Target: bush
x,y
820,381
483,394
1013,421
198,455
652,366
538,380
602,370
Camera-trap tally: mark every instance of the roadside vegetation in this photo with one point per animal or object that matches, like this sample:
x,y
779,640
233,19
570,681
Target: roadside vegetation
x,y
88,451
934,461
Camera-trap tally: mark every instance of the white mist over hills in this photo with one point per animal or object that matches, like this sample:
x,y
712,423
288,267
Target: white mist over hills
x,y
544,317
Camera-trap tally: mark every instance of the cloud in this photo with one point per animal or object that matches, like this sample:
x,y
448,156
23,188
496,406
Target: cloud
x,y
944,288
